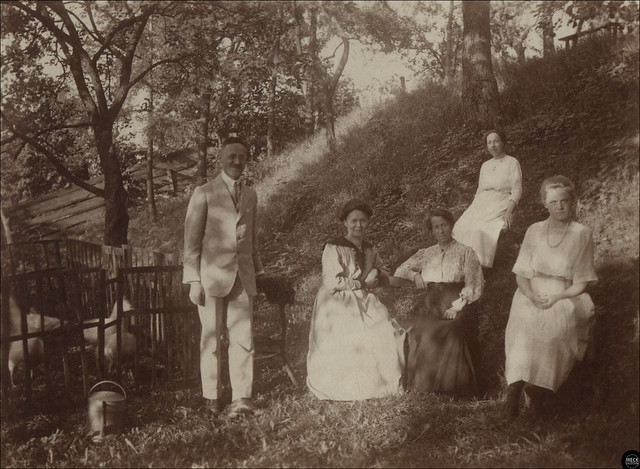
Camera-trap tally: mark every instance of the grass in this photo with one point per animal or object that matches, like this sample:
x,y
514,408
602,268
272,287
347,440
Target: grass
x,y
412,154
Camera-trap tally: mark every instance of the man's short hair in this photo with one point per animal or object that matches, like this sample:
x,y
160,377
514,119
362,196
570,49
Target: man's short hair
x,y
232,140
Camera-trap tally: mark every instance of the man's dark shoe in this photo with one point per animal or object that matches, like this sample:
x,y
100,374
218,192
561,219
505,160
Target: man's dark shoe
x,y
213,406
242,406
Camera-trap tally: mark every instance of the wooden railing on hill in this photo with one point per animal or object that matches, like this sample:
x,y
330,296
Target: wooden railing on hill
x,y
609,30
60,210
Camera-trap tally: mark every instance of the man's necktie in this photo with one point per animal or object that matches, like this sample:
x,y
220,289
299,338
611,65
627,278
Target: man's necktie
x,y
236,186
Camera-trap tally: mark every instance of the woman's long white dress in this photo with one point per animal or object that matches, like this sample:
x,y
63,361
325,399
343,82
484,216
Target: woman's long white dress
x,y
542,345
354,350
479,226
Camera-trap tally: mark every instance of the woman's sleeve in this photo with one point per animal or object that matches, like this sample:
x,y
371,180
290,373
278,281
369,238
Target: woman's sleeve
x,y
584,269
522,266
335,275
515,178
473,278
412,266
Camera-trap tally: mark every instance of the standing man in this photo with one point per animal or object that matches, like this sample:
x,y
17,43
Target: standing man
x,y
221,261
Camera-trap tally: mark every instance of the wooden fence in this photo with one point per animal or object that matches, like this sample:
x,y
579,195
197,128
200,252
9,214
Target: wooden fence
x,y
69,253
77,284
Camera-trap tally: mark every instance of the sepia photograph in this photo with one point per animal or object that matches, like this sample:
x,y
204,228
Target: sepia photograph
x,y
320,233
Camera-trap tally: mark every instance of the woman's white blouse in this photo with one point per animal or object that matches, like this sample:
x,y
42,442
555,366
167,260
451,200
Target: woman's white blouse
x,y
456,263
502,175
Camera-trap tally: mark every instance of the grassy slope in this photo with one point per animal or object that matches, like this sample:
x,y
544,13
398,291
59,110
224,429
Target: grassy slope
x,y
569,115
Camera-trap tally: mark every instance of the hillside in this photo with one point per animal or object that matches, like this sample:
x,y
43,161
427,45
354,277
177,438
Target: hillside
x,y
574,114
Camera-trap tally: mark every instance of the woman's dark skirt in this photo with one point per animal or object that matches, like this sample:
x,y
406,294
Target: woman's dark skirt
x,y
443,352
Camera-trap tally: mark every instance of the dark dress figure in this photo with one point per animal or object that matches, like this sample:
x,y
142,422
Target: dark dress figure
x,y
443,352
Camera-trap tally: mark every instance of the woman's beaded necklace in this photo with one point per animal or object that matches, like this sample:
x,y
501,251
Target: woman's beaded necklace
x,y
566,229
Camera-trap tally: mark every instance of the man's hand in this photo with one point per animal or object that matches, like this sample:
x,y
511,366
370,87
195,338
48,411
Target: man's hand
x,y
196,294
418,281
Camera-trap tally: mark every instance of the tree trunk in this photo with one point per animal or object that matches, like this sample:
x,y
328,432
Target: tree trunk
x,y
271,120
548,46
329,120
309,81
449,62
6,229
150,194
330,87
545,23
204,138
116,218
479,87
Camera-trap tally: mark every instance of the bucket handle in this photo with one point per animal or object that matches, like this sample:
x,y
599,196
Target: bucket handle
x,y
124,393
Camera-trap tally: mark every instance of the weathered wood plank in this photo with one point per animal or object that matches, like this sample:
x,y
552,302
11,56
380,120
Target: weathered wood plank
x,y
59,214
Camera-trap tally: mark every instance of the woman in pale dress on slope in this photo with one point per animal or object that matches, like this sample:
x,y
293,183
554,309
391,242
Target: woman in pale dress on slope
x,y
443,346
499,191
551,315
355,349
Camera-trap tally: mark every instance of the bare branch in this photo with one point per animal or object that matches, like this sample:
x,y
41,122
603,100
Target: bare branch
x,y
106,43
79,55
49,155
123,91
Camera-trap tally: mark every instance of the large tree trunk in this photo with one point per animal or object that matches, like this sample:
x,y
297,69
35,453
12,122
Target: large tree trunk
x,y
479,87
116,218
203,140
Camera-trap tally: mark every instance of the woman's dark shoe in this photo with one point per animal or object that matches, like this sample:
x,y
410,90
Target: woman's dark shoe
x,y
535,399
512,404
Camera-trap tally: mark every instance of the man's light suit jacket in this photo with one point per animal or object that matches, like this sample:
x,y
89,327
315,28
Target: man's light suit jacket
x,y
220,241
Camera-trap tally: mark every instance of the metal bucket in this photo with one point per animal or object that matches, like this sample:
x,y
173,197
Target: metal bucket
x,y
105,411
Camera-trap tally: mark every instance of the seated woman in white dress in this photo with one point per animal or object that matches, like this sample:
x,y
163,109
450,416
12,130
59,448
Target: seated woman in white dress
x,y
443,345
550,317
499,191
354,350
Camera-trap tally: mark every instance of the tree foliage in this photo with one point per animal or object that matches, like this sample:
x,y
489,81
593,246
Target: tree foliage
x,y
93,45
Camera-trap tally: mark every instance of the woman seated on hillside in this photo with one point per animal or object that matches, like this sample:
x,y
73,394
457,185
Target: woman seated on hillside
x,y
499,190
354,350
550,318
443,341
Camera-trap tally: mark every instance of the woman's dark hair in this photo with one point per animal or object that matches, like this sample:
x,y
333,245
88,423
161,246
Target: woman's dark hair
x,y
500,132
355,204
439,212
